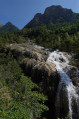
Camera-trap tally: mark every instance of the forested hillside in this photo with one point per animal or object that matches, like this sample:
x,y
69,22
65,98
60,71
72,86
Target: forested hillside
x,y
8,28
19,96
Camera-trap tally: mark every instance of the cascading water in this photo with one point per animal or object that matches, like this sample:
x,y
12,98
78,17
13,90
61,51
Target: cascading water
x,y
62,67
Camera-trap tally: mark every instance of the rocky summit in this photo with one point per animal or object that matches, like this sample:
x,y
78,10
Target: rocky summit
x,y
54,15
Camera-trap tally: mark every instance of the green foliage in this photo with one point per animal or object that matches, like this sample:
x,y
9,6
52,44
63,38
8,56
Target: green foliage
x,y
19,96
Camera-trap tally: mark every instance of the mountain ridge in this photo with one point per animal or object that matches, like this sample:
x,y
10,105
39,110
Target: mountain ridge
x,y
8,27
54,14
1,25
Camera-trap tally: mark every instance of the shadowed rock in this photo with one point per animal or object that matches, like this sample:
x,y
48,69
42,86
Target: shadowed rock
x,y
28,65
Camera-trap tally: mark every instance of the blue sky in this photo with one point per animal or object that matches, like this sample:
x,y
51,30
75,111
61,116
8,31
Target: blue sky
x,y
20,12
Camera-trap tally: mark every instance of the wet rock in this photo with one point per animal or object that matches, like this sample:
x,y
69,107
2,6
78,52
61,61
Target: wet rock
x,y
74,75
61,103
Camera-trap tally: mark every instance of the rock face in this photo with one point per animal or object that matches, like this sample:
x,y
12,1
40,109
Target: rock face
x,y
28,50
74,75
43,70
28,65
32,54
45,75
61,103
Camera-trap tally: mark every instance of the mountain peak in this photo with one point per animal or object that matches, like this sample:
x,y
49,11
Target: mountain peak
x,y
8,27
53,14
55,9
9,24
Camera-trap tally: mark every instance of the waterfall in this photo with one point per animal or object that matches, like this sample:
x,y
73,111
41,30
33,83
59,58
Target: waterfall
x,y
62,67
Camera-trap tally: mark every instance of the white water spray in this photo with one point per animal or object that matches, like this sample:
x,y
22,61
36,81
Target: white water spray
x,y
62,67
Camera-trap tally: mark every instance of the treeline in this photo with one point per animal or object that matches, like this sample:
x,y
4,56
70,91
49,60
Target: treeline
x,y
56,36
7,38
65,38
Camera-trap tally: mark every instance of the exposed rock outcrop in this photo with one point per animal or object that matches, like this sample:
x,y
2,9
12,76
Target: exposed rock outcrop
x,y
28,65
43,70
28,50
33,54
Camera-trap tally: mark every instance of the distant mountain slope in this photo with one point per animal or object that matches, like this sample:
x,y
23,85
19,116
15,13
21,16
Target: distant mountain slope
x,y
1,25
8,27
54,15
